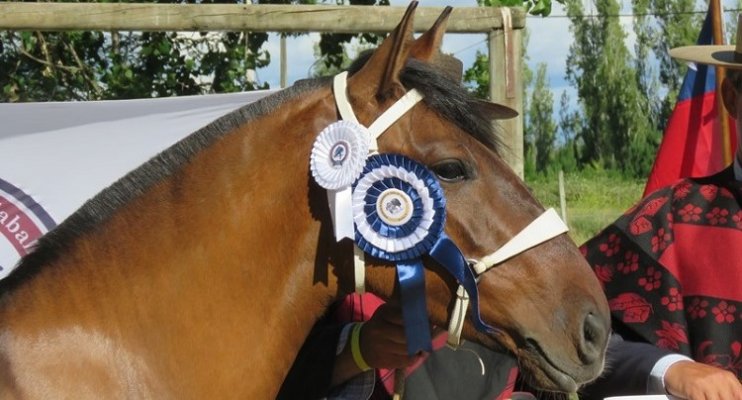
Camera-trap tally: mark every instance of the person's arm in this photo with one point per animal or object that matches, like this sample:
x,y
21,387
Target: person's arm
x,y
636,368
627,371
325,363
694,380
380,342
310,375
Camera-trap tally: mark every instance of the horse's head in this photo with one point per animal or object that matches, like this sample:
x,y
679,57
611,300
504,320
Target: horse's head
x,y
545,302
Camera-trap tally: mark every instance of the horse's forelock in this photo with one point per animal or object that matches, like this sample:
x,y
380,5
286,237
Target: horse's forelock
x,y
447,97
453,102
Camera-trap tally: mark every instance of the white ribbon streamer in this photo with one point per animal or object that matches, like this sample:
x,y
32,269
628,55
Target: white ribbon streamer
x,y
359,269
458,316
341,210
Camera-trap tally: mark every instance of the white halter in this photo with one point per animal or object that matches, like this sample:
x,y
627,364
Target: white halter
x,y
545,227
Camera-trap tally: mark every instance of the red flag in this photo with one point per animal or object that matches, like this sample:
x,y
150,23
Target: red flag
x,y
692,144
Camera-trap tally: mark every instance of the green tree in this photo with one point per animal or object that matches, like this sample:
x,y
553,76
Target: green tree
x,y
477,77
116,65
661,25
538,124
568,150
534,7
612,129
113,65
541,133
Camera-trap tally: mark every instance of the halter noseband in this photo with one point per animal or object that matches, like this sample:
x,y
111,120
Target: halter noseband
x,y
544,228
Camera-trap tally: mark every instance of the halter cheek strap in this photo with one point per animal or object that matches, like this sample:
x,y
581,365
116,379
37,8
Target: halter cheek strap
x,y
385,120
343,215
546,227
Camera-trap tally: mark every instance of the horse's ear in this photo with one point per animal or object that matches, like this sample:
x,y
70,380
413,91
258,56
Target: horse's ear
x,y
379,77
428,46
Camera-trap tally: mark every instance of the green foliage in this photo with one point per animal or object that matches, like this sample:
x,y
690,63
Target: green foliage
x,y
534,7
660,26
477,78
541,128
118,65
594,198
612,129
332,45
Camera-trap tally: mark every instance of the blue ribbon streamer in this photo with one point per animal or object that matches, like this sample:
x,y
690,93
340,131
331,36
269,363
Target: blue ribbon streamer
x,y
411,280
448,255
410,271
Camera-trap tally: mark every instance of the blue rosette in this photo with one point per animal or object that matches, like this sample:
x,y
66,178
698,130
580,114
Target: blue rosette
x,y
399,211
398,208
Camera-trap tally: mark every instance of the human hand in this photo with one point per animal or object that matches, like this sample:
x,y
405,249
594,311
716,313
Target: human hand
x,y
697,381
383,341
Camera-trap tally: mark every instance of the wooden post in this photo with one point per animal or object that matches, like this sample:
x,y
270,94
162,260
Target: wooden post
x,y
506,86
53,16
716,23
562,197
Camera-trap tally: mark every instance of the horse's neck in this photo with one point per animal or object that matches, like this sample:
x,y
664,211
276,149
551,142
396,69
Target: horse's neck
x,y
211,268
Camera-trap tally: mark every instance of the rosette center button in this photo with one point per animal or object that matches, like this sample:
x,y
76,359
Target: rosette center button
x,y
339,153
394,207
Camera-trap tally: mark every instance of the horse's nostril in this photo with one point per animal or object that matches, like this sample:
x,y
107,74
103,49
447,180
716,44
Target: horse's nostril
x,y
594,337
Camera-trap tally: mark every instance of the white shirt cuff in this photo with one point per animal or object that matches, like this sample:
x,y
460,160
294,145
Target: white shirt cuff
x,y
656,381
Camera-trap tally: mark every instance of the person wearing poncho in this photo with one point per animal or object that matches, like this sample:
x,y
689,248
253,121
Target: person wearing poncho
x,y
671,266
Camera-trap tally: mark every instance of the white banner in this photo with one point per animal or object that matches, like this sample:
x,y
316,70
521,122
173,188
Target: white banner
x,y
56,156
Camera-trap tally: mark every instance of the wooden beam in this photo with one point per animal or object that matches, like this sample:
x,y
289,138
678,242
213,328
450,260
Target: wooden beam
x,y
47,16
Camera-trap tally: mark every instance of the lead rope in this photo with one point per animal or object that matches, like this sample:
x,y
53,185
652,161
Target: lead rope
x,y
544,228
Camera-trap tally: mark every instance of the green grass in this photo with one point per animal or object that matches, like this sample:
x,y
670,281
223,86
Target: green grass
x,y
594,199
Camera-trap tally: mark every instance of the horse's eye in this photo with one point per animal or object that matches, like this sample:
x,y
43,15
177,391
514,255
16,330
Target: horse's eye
x,y
450,170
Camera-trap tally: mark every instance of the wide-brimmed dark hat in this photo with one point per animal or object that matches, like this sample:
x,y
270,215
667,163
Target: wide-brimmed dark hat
x,y
728,56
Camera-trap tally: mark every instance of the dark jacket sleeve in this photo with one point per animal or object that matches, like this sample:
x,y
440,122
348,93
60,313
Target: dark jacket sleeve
x,y
310,375
627,369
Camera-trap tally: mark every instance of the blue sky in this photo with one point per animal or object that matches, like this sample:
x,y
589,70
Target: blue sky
x,y
549,44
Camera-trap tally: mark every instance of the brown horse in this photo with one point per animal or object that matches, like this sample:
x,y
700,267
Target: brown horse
x,y
199,274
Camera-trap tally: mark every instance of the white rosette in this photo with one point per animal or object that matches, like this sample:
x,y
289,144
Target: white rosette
x,y
338,156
